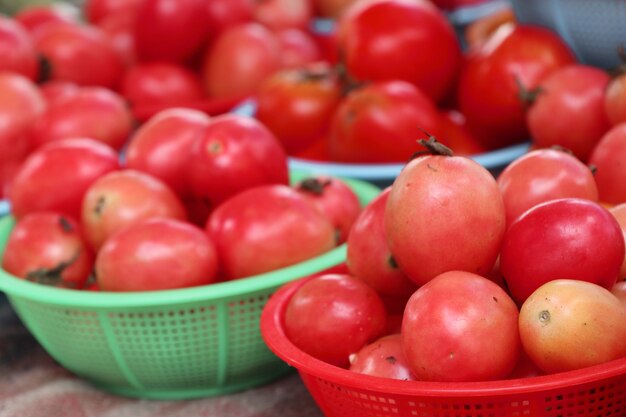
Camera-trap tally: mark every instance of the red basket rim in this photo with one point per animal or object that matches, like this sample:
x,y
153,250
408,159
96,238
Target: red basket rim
x,y
274,336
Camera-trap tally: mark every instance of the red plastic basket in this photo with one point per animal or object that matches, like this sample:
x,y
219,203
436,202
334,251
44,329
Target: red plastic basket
x,y
598,391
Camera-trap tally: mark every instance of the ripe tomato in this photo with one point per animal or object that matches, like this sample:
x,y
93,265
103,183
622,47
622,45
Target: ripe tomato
x,y
457,136
381,122
568,324
283,14
54,91
332,316
619,212
384,358
161,147
36,16
607,157
576,94
239,60
489,86
368,257
619,290
297,48
119,29
170,30
156,254
615,100
56,176
542,175
98,10
17,49
232,154
445,333
266,228
297,105
569,238
122,198
222,14
79,53
401,40
48,248
444,213
93,112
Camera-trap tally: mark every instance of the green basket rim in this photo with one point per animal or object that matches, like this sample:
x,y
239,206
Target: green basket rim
x,y
16,287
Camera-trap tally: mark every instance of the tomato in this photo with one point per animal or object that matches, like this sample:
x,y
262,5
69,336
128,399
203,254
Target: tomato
x,y
576,94
489,85
478,31
161,147
17,49
319,150
568,324
333,316
569,238
122,198
232,154
79,53
56,176
619,291
283,14
542,175
36,16
456,4
384,358
297,48
239,60
615,101
335,199
381,122
160,83
156,254
53,91
119,29
445,333
297,105
222,14
457,136
368,256
413,41
170,30
48,248
266,228
93,112
444,213
619,212
607,157
97,11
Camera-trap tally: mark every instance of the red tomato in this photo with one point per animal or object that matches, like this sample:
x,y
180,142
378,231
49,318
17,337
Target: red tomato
x,y
567,324
161,147
332,316
456,4
56,176
297,105
54,91
266,228
576,94
170,30
368,257
335,199
444,213
232,154
156,254
542,175
569,238
239,60
457,136
619,291
17,49
381,122
36,16
489,92
122,198
297,48
607,157
283,14
160,83
119,29
615,100
619,212
48,248
223,14
401,40
93,112
319,150
384,358
445,332
97,11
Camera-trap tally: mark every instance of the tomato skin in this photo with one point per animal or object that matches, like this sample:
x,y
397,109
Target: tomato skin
x,y
568,238
268,227
298,48
444,213
332,316
445,333
17,49
384,358
34,17
66,166
97,11
619,212
222,14
576,94
542,175
119,27
43,241
619,291
135,258
457,136
388,40
488,94
614,101
380,122
283,14
608,156
53,91
567,324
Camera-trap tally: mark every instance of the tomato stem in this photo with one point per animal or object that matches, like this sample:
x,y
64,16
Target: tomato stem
x,y
433,146
52,276
314,185
527,96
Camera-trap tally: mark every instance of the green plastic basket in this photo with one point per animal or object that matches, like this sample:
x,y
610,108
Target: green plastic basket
x,y
174,344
